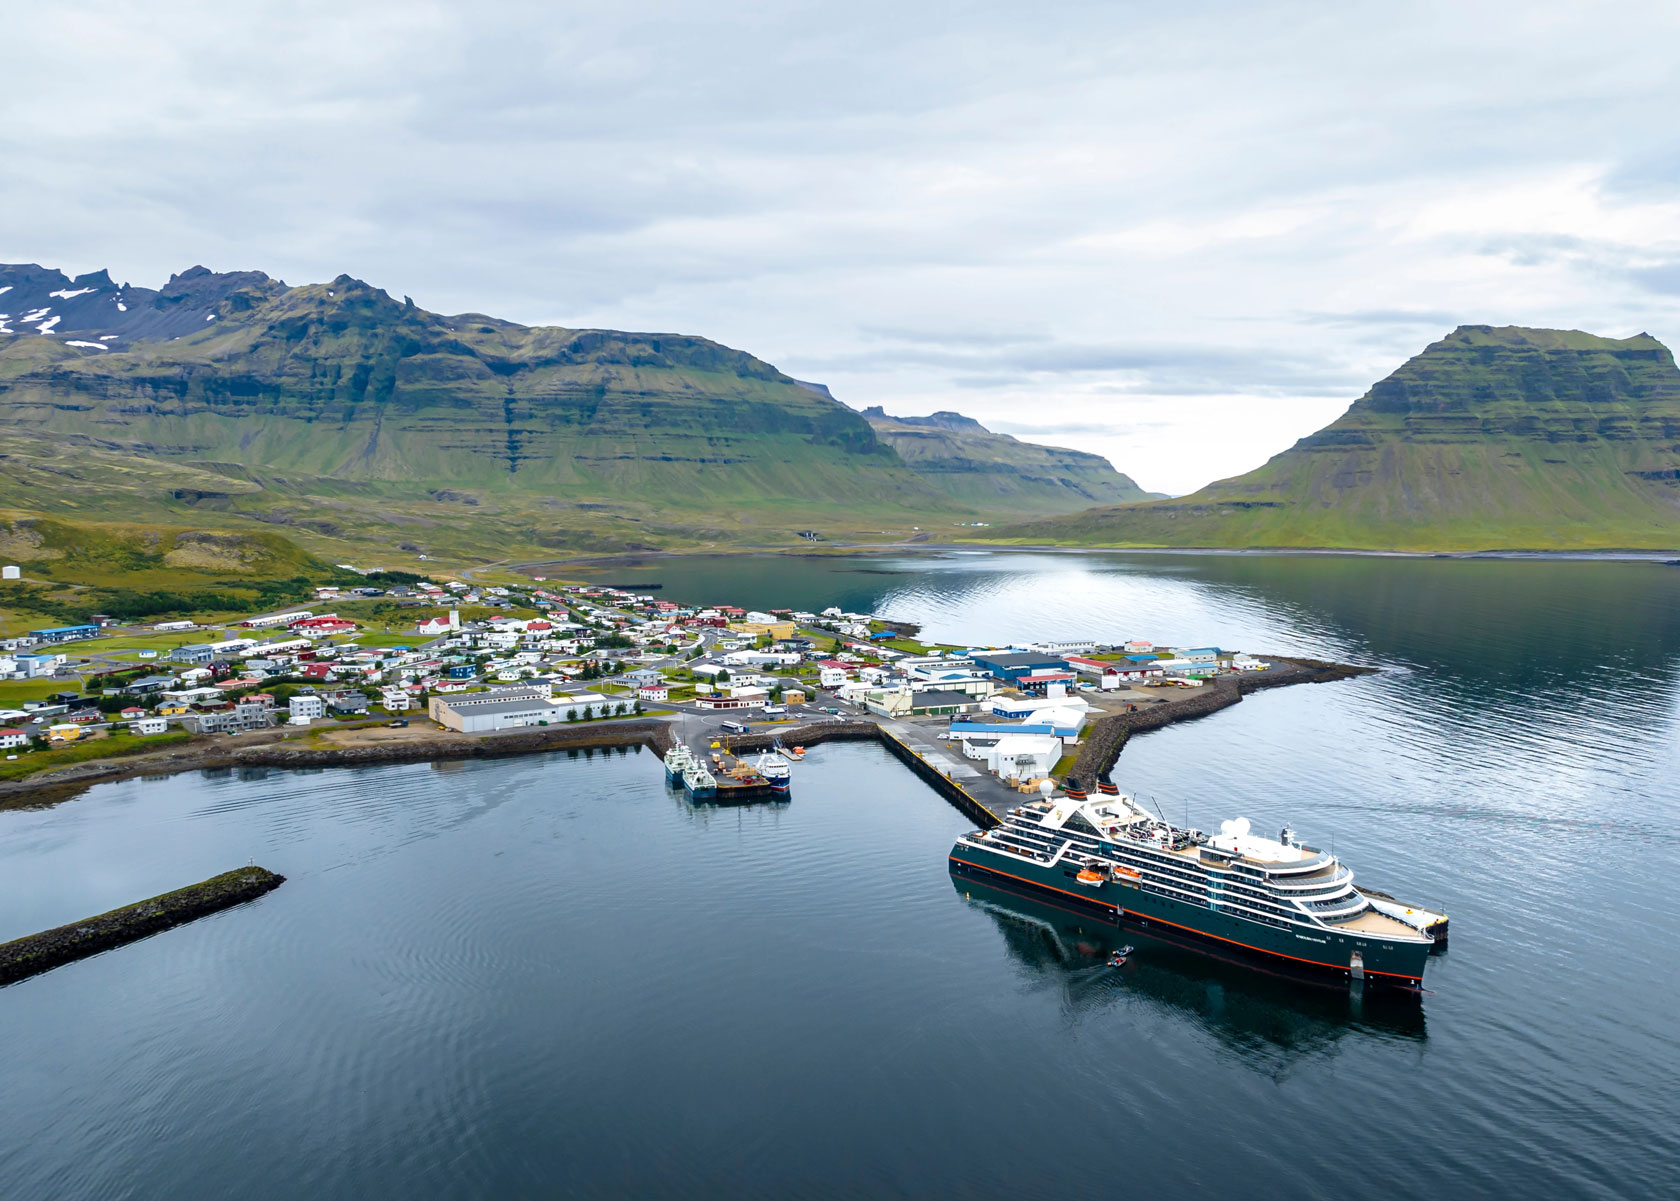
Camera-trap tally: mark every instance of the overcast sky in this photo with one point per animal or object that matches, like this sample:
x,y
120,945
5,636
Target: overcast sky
x,y
1181,236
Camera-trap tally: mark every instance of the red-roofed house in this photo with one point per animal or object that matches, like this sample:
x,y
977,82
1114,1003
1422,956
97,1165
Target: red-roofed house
x,y
11,738
326,624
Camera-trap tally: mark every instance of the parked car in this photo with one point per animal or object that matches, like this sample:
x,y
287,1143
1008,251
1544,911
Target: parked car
x,y
400,723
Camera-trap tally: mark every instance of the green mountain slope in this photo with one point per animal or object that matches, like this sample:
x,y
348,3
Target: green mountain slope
x,y
337,410
971,464
1491,438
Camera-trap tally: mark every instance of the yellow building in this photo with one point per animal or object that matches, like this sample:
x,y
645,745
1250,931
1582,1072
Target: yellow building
x,y
793,696
68,732
757,629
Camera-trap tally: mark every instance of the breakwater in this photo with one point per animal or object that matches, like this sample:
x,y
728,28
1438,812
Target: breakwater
x,y
1107,737
42,952
940,782
805,735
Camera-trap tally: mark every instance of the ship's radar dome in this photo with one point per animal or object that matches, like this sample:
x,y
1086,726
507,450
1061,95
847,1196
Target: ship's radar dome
x,y
1046,787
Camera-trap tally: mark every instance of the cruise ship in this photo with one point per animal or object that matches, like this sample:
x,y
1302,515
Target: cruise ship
x,y
1274,897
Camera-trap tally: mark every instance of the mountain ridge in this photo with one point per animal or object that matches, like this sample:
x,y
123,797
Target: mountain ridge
x,y
989,469
296,405
1494,437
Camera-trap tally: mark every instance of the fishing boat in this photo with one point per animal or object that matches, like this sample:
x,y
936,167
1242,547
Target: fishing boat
x,y
677,760
775,771
699,783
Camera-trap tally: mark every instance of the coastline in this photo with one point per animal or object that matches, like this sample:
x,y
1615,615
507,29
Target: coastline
x,y
369,746
637,559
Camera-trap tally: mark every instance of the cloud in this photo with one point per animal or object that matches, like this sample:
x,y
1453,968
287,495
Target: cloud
x,y
1217,225
1365,318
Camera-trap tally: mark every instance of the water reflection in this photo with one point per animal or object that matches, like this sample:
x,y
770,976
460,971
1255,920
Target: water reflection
x,y
1270,1017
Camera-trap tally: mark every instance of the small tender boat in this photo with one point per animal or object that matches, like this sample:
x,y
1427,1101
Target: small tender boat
x,y
1089,876
797,753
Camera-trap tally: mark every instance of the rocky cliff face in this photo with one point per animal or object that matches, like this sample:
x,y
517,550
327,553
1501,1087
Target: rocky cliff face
x,y
1493,437
964,459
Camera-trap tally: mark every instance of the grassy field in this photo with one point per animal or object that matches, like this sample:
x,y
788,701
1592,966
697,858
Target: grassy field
x,y
163,642
14,692
114,745
382,640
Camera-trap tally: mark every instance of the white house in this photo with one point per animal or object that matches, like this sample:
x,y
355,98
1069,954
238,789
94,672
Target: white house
x,y
11,739
654,692
305,707
395,700
148,725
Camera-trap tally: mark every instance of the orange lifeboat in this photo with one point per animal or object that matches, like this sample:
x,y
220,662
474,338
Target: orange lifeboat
x,y
1129,873
1089,876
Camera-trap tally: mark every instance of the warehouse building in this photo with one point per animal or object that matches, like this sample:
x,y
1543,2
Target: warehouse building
x,y
510,708
1012,666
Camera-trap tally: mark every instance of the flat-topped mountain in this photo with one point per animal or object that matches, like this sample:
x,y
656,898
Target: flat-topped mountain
x,y
336,408
1493,437
961,457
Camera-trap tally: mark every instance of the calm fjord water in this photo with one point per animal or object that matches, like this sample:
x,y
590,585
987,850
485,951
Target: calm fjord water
x,y
549,976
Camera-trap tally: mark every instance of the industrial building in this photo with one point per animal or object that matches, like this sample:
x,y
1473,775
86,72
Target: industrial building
x,y
1013,665
64,633
1015,756
508,708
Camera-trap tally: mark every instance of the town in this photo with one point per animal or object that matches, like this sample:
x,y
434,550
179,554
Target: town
x,y
390,663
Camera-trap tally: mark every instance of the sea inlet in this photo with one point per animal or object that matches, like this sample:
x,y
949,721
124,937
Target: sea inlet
x,y
552,976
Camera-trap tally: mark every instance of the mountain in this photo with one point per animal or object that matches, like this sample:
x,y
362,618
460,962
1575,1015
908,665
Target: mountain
x,y
971,464
345,414
1493,437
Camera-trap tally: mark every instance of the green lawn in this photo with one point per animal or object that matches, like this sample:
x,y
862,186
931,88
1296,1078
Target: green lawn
x,y
162,643
385,640
14,692
28,763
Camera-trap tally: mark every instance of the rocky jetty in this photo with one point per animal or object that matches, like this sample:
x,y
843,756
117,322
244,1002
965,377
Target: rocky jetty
x,y
65,944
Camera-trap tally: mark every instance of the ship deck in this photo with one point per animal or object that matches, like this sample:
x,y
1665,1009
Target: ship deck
x,y
1379,924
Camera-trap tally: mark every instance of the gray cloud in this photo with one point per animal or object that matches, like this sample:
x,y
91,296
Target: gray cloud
x,y
920,205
